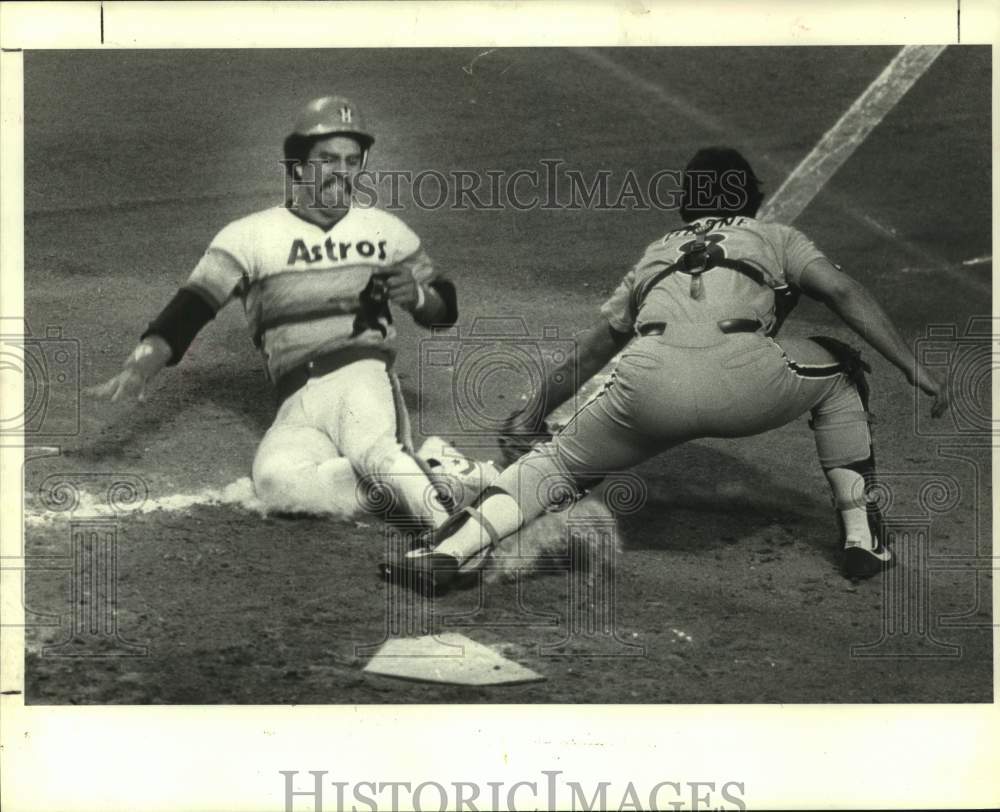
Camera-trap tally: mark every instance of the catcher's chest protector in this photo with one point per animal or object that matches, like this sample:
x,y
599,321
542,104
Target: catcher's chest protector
x,y
713,269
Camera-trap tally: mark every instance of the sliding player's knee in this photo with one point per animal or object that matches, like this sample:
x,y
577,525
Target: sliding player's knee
x,y
277,481
306,486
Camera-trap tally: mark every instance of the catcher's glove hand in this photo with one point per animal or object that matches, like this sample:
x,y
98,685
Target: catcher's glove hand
x,y
519,434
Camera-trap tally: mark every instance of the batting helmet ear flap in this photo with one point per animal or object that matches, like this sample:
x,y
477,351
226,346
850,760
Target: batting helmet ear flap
x,y
296,150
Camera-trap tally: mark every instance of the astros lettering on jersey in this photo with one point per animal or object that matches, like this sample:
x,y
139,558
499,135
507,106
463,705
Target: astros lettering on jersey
x,y
300,283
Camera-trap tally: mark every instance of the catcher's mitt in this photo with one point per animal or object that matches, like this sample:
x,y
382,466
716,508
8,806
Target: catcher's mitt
x,y
520,433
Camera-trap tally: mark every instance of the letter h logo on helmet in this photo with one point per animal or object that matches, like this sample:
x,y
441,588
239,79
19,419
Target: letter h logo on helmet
x,y
345,115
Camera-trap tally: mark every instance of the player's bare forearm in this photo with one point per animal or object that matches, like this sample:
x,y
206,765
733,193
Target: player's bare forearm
x,y
859,310
595,347
862,313
852,302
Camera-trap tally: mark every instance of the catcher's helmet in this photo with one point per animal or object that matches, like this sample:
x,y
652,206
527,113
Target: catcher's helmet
x,y
321,118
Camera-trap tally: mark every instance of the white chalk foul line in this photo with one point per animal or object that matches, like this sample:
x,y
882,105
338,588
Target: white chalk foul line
x,y
85,505
841,140
683,108
65,503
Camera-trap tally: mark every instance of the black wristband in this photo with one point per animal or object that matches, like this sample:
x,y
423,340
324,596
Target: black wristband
x,y
446,290
180,321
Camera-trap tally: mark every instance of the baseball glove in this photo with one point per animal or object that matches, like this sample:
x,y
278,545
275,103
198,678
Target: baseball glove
x,y
520,432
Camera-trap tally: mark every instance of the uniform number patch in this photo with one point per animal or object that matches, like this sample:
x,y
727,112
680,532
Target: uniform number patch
x,y
702,254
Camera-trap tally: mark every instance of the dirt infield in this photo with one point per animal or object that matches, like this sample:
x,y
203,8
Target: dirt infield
x,y
727,589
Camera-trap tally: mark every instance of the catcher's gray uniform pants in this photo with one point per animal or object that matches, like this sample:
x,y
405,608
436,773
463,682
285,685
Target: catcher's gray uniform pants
x,y
694,381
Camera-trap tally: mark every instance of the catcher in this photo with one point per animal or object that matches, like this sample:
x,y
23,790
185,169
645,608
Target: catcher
x,y
698,314
316,278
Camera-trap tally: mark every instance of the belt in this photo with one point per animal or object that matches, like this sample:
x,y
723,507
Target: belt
x,y
657,328
293,380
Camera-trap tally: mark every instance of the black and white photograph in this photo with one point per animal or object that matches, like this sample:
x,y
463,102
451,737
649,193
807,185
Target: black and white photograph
x,y
506,376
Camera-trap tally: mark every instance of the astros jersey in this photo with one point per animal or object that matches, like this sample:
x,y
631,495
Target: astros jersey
x,y
300,283
734,273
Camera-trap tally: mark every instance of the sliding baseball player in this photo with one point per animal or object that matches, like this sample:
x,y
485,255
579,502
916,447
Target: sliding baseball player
x,y
319,280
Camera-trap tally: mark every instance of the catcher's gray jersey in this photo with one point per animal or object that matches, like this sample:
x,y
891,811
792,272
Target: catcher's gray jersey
x,y
660,288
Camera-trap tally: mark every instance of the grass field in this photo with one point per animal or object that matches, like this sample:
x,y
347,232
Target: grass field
x,y
727,589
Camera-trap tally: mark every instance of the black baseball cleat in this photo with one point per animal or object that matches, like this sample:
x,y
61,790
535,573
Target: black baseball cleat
x,y
862,562
423,570
429,572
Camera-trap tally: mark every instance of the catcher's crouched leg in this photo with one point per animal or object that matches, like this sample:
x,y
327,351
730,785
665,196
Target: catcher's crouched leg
x,y
536,483
540,482
469,541
559,528
840,423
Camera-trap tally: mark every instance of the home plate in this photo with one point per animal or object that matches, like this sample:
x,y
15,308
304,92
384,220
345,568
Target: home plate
x,y
451,658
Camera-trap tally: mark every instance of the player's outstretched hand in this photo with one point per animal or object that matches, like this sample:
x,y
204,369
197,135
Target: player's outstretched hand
x,y
128,385
147,359
931,383
941,403
402,287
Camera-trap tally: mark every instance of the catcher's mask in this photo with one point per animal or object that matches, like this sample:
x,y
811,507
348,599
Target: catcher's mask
x,y
322,118
719,182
